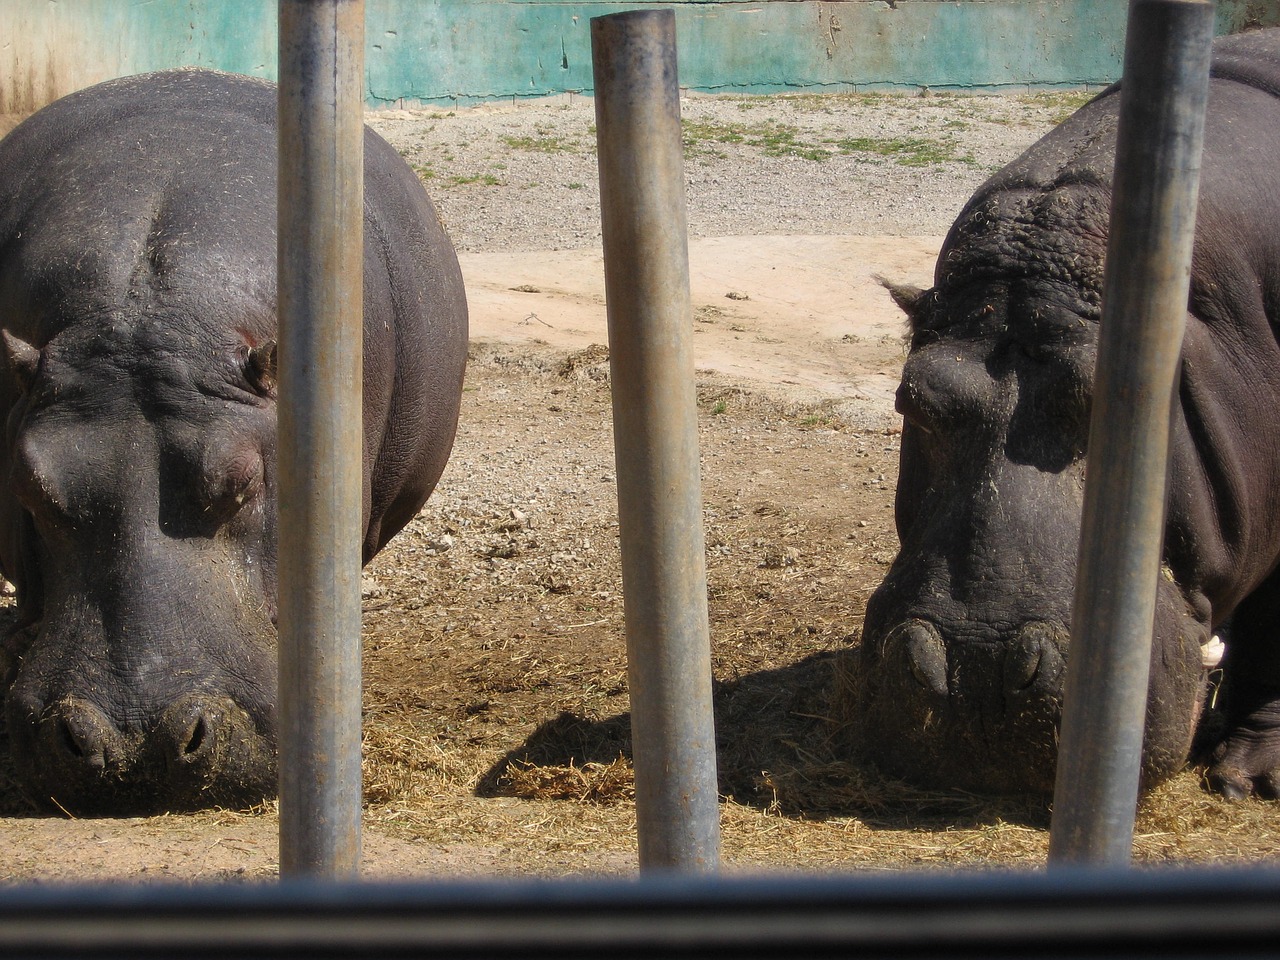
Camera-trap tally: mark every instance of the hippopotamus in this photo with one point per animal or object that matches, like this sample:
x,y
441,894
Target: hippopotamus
x,y
966,640
138,482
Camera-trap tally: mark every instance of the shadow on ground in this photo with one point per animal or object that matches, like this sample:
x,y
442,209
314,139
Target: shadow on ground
x,y
782,747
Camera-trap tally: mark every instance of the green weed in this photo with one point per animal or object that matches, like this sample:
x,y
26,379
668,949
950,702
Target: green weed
x,y
772,138
908,151
1062,103
776,139
483,179
541,144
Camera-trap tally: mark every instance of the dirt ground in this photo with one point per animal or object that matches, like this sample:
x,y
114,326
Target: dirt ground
x,y
496,720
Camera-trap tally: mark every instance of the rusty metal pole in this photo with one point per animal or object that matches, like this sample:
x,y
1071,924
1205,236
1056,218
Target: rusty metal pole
x,y
320,230
655,419
1146,285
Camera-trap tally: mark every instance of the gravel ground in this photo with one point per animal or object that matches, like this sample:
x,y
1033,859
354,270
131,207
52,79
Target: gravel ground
x,y
523,176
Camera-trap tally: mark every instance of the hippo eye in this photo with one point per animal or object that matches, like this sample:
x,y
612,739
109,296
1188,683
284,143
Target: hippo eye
x,y
238,482
258,365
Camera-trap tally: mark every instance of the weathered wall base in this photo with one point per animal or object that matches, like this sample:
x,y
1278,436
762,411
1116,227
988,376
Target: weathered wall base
x,y
451,51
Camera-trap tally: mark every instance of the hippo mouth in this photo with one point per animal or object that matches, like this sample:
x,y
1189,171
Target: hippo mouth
x,y
942,710
202,751
976,714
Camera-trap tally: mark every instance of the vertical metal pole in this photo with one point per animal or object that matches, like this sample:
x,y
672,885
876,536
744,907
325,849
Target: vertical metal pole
x,y
1148,270
320,223
655,419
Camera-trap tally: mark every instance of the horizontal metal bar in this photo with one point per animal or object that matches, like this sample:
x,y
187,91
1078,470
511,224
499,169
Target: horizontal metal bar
x,y
1067,913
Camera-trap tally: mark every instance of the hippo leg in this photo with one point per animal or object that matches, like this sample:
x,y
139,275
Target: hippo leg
x,y
1247,758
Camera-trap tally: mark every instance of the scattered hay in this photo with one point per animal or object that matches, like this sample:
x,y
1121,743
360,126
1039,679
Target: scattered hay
x,y
591,362
598,783
1180,820
836,790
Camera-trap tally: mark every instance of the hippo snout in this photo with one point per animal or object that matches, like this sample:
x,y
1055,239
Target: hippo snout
x,y
979,713
200,750
1033,661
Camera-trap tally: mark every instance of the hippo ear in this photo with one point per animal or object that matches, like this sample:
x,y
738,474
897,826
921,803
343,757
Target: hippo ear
x,y
24,359
904,295
260,367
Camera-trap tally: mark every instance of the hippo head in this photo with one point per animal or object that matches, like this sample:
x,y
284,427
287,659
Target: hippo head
x,y
142,458
966,641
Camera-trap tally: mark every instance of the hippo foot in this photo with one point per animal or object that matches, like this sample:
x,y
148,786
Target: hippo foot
x,y
1247,761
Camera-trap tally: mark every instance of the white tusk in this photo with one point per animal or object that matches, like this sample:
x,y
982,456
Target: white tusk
x,y
1211,652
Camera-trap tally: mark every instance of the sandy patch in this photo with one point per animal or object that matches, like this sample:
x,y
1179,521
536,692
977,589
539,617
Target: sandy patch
x,y
789,316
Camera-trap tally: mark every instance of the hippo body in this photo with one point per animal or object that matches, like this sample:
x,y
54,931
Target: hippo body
x,y
138,482
965,641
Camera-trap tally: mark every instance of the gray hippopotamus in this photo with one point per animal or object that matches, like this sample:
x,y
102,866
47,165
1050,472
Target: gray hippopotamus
x,y
138,483
965,641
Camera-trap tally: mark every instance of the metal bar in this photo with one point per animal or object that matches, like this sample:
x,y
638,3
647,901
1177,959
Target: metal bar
x,y
1148,269
1065,913
646,260
321,157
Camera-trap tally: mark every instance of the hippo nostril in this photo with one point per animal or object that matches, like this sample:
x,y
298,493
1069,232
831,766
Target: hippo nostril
x,y
925,653
926,674
74,746
186,729
196,736
82,734
1021,666
1034,659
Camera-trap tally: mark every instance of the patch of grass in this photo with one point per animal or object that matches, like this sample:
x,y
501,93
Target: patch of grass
x,y
482,179
776,139
772,138
1061,103
908,151
811,101
540,144
782,141
696,131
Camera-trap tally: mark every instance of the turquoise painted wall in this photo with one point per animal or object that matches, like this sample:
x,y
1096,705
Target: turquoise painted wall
x,y
447,51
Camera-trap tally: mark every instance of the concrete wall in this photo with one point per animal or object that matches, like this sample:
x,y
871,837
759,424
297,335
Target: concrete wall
x,y
448,51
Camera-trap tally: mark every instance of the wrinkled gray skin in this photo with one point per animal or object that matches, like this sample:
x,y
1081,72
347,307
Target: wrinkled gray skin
x,y
965,641
138,470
